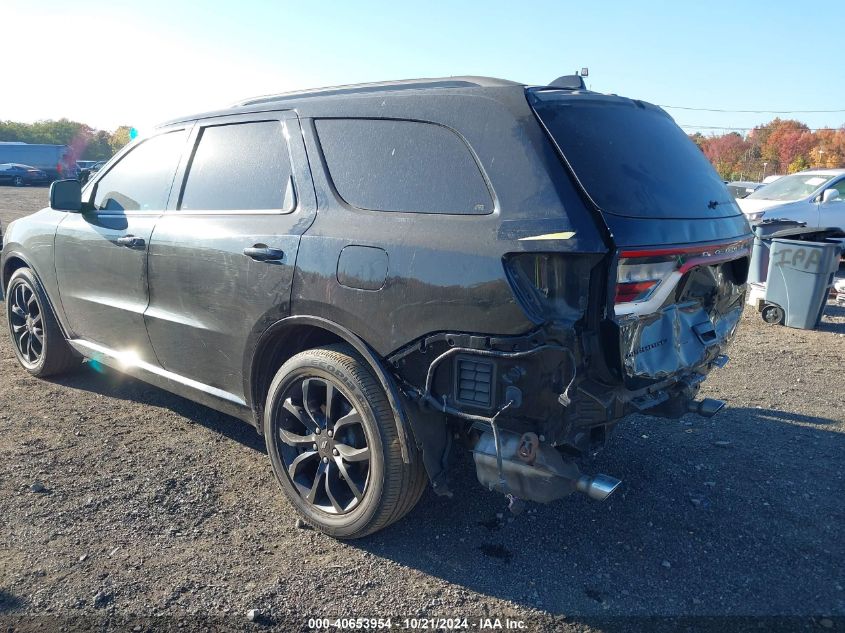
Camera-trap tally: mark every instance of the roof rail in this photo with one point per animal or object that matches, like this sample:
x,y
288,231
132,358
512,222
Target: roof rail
x,y
383,86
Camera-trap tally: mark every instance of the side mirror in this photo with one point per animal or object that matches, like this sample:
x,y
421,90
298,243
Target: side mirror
x,y
66,195
829,194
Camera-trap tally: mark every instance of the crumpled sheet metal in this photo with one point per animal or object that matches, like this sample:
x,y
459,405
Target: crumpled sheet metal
x,y
664,343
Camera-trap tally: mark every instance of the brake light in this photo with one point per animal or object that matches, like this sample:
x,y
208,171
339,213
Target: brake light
x,y
641,273
634,291
638,278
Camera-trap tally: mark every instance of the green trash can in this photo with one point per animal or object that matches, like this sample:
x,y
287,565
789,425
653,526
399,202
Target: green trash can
x,y
800,277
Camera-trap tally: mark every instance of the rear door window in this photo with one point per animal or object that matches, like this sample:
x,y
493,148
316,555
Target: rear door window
x,y
631,157
240,166
142,179
406,166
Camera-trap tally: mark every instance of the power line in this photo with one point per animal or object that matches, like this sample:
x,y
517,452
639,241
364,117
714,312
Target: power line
x,y
753,111
742,129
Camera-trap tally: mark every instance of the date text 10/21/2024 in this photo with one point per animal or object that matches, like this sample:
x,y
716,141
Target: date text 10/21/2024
x,y
423,624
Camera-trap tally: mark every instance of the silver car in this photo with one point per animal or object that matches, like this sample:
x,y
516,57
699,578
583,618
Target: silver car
x,y
816,197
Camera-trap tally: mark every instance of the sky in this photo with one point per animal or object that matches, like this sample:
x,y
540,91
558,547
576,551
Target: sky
x,y
111,63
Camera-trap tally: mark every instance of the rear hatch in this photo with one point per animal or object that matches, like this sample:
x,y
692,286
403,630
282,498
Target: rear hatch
x,y
681,242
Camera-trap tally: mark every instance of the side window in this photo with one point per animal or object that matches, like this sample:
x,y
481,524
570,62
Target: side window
x,y
240,166
142,179
840,186
390,165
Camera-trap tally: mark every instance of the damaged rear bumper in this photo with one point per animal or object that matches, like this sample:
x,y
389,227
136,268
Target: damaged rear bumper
x,y
538,385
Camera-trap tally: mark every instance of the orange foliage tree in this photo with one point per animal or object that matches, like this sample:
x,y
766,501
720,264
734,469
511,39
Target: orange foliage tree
x,y
778,147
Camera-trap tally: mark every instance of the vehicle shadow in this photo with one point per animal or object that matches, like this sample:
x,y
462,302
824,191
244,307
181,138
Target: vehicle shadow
x,y
739,515
107,382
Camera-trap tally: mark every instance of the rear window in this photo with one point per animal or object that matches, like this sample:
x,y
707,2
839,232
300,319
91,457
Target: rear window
x,y
240,166
632,159
392,165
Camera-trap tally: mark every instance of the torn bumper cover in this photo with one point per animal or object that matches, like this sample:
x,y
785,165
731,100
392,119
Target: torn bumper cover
x,y
674,339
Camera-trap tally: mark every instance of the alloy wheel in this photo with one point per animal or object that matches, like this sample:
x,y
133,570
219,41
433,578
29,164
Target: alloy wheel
x,y
27,324
322,443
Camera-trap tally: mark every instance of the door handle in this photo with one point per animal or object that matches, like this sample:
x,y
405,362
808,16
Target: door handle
x,y
131,241
261,253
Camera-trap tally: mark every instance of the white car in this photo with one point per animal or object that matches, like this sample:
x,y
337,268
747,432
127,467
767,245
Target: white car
x,y
839,287
816,197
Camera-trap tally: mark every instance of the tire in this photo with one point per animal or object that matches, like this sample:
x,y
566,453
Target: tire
x,y
17,181
773,314
321,461
39,344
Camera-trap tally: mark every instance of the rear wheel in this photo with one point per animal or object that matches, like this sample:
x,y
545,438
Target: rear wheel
x,y
333,443
17,181
39,345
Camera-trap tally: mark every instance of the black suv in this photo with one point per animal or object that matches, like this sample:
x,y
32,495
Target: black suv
x,y
379,276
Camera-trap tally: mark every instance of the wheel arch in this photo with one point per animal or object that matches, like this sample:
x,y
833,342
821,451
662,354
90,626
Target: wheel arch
x,y
11,263
295,334
15,260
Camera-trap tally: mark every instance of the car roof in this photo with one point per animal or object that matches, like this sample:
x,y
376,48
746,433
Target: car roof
x,y
385,86
820,172
384,89
20,165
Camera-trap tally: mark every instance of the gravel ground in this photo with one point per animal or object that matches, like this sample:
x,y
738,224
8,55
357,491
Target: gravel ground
x,y
124,507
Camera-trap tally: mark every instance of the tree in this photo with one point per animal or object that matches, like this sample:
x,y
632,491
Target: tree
x,y
99,147
829,149
699,139
799,163
726,152
779,146
119,138
782,141
85,142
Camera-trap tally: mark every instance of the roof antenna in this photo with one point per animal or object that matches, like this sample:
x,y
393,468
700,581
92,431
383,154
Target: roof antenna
x,y
572,82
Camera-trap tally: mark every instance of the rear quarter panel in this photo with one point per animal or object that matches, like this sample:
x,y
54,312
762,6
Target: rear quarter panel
x,y
445,272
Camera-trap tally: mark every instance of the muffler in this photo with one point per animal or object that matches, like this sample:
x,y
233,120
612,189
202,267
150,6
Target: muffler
x,y
539,474
706,408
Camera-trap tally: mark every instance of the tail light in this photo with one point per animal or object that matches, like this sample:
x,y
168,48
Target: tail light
x,y
551,286
59,168
646,277
638,277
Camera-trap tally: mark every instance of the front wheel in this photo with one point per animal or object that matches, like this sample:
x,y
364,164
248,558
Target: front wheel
x,y
333,443
39,345
18,181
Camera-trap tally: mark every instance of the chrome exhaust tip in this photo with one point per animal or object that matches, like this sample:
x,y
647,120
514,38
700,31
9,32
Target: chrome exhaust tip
x,y
598,487
707,408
